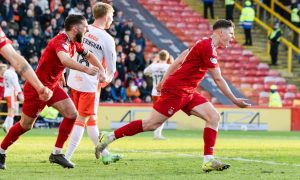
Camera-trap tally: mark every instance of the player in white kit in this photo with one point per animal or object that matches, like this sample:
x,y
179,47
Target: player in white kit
x,y
85,89
157,71
12,89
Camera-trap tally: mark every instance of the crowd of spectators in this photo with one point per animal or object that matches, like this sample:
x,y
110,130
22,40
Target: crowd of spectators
x,y
31,24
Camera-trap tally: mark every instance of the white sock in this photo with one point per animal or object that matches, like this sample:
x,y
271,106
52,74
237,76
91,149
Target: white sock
x,y
9,121
206,158
111,136
75,139
2,151
157,132
57,150
93,133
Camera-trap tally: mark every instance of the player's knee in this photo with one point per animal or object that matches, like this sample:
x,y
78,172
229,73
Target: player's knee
x,y
215,118
71,114
26,125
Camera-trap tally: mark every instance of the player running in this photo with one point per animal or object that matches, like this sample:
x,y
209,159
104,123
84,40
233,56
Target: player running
x,y
178,93
57,55
12,90
85,89
157,70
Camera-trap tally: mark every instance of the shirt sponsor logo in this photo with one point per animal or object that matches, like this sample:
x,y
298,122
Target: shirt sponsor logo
x,y
213,60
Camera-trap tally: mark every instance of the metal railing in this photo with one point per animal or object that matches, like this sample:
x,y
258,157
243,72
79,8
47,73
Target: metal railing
x,y
291,47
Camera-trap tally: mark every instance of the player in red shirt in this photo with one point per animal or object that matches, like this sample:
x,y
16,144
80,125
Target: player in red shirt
x,y
178,93
55,58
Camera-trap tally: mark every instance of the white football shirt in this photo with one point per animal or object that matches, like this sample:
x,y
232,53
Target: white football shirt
x,y
11,83
102,45
157,72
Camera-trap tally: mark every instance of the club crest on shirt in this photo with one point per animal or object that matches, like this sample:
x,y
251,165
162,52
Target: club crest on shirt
x,y
171,111
213,60
65,46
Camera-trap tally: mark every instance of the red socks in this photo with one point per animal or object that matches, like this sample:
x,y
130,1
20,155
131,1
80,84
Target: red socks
x,y
134,127
13,134
64,131
209,137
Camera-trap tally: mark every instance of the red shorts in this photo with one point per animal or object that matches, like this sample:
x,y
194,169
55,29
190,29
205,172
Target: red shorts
x,y
169,103
32,105
86,103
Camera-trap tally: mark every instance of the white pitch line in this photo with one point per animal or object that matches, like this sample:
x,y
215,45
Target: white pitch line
x,y
199,156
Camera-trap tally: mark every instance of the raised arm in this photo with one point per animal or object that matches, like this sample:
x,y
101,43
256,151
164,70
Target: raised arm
x,y
70,63
223,86
25,70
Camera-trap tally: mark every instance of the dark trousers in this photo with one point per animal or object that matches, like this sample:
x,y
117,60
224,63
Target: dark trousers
x,y
274,52
248,37
296,35
209,5
229,12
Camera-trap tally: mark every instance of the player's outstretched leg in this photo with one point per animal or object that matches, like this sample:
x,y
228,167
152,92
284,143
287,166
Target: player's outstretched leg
x,y
105,138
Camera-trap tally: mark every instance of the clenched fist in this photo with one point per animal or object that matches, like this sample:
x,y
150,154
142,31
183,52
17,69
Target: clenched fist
x,y
45,93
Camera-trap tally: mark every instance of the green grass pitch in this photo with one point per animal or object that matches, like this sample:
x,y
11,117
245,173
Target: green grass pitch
x,y
252,155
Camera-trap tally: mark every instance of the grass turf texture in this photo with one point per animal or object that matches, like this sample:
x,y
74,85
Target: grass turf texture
x,y
253,155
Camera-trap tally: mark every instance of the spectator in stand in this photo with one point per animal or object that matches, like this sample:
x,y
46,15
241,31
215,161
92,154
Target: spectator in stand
x,y
128,29
295,19
274,97
132,63
126,44
133,93
59,20
6,10
106,95
88,15
27,21
229,6
55,28
118,91
33,61
139,39
274,39
208,4
78,9
23,40
38,40
119,17
45,19
121,69
246,20
43,4
16,16
4,27
31,49
139,80
139,56
145,91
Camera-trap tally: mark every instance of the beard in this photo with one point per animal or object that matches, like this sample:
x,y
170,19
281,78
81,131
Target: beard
x,y
78,37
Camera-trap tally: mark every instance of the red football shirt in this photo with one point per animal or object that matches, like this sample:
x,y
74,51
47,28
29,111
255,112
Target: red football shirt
x,y
185,79
50,68
3,39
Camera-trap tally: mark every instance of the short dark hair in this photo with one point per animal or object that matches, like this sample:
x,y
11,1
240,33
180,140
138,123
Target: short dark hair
x,y
73,19
223,23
